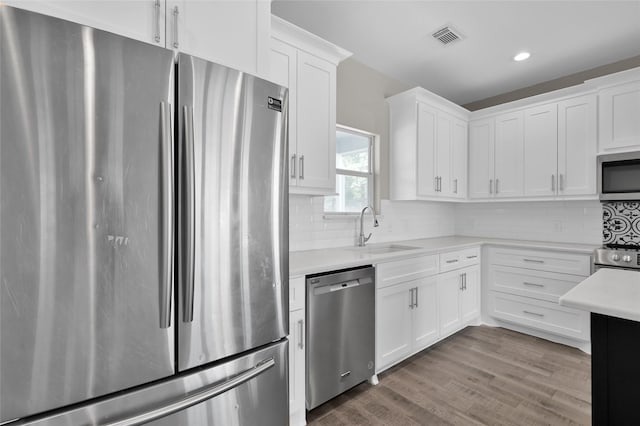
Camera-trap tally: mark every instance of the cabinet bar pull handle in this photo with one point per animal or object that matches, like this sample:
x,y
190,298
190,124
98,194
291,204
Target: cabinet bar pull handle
x,y
157,8
553,183
301,167
301,331
455,186
533,260
472,257
490,186
452,261
561,182
435,183
533,284
411,298
497,180
533,313
345,374
293,166
417,297
175,27
465,281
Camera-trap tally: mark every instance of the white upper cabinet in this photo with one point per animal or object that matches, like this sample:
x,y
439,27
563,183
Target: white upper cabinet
x,y
142,20
577,140
307,65
481,158
232,33
547,150
509,157
428,147
459,159
620,117
540,150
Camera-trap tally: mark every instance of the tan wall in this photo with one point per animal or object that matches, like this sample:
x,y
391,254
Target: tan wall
x,y
361,104
556,84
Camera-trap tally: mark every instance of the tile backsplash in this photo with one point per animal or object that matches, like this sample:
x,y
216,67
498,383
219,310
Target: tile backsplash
x,y
556,221
399,220
621,223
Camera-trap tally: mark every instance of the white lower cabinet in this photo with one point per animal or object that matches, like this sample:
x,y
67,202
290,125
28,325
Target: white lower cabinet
x,y
297,347
407,322
458,299
524,287
416,306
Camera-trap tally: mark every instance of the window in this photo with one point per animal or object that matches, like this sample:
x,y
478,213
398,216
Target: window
x,y
354,171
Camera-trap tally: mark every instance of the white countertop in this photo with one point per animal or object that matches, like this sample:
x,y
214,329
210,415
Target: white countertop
x,y
323,260
612,292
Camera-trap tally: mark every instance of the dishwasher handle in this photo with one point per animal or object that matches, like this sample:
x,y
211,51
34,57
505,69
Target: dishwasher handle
x,y
323,289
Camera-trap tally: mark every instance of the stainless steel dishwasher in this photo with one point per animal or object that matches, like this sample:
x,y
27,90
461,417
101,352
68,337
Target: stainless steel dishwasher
x,y
340,332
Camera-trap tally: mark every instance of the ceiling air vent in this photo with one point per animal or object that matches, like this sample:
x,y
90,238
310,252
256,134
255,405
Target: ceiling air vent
x,y
446,35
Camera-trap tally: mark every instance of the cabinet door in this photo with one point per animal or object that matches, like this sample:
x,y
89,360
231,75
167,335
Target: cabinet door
x,y
470,295
481,159
444,130
541,150
509,155
427,121
393,324
449,288
297,367
459,159
316,130
282,70
221,31
425,313
620,116
577,146
141,20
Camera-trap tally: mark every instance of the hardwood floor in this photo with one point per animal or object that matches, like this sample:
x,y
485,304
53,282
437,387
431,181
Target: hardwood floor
x,y
479,376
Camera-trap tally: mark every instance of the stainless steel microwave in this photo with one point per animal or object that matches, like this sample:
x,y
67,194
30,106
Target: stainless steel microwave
x,y
619,176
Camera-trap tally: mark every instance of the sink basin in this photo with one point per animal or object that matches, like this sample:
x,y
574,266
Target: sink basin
x,y
381,249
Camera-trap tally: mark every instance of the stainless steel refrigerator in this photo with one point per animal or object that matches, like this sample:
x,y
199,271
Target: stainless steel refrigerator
x,y
144,233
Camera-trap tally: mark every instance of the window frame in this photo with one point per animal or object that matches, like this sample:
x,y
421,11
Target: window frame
x,y
372,137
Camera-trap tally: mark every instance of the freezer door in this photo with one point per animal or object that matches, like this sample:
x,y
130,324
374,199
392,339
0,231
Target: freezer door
x,y
250,390
85,213
234,212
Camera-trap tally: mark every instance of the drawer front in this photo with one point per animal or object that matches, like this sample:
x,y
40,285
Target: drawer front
x,y
470,257
459,259
566,263
296,293
539,314
531,283
398,271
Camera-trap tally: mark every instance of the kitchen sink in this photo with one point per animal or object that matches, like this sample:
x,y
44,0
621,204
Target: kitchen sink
x,y
381,249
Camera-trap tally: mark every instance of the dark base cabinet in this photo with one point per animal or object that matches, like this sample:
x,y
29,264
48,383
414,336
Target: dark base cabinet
x,y
615,371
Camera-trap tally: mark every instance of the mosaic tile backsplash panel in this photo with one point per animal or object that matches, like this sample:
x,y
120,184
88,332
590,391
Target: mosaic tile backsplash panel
x,y
621,223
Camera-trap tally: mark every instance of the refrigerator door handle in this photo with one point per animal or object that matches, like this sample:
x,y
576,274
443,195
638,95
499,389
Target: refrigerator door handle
x,y
202,395
166,150
189,250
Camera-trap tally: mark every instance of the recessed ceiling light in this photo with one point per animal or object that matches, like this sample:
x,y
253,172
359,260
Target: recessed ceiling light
x,y
521,56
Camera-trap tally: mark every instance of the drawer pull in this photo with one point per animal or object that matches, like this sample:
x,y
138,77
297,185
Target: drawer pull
x,y
533,284
533,260
452,261
472,257
534,313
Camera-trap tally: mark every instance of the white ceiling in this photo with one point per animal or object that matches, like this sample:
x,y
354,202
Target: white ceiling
x,y
394,37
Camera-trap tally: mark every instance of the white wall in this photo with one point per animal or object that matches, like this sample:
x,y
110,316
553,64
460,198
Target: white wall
x,y
399,220
557,221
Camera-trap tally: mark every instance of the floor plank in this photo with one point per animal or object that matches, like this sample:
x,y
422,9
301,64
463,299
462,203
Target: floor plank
x,y
479,376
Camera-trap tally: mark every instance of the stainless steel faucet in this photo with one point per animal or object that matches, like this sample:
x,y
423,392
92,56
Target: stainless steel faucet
x,y
362,240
